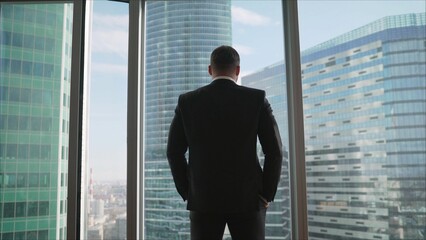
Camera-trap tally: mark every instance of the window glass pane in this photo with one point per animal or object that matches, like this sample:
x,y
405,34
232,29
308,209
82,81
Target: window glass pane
x,y
363,71
32,209
22,180
20,209
107,117
8,210
21,236
180,37
30,139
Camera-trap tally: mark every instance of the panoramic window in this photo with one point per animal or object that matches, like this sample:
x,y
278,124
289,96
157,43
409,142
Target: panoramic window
x,y
179,39
364,107
364,111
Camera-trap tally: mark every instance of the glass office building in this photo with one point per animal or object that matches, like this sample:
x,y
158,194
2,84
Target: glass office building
x,y
179,39
34,114
364,96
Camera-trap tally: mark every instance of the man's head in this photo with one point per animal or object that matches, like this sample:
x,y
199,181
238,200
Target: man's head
x,y
225,61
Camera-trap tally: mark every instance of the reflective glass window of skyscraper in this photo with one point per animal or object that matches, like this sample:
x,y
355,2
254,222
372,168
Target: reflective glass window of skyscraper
x,y
35,49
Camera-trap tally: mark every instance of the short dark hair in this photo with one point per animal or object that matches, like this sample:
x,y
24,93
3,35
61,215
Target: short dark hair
x,y
224,58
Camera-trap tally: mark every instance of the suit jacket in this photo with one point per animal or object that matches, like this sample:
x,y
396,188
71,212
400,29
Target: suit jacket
x,y
219,124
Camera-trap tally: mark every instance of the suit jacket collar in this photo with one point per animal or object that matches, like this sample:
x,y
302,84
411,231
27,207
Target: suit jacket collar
x,y
223,81
224,77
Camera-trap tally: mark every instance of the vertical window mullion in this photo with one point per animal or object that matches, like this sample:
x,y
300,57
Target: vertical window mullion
x,y
135,118
295,121
76,121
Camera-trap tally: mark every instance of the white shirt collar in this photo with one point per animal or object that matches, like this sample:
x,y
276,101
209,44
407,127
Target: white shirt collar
x,y
224,77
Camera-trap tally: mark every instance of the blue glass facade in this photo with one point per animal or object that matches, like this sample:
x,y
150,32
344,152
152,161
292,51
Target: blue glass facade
x,y
179,39
364,97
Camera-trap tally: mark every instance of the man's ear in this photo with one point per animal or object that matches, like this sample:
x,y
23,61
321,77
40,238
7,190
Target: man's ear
x,y
237,70
210,70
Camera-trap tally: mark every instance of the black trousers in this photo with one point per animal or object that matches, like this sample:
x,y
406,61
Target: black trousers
x,y
242,226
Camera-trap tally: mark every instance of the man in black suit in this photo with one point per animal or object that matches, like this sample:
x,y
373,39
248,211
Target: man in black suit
x,y
223,180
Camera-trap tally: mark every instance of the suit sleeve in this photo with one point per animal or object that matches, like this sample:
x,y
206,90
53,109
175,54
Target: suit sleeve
x,y
270,140
176,148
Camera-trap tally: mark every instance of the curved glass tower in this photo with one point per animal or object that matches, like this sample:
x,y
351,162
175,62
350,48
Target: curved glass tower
x,y
179,39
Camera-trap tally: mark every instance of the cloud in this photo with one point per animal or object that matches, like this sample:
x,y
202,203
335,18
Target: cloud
x,y
110,42
110,34
108,68
244,50
112,21
248,17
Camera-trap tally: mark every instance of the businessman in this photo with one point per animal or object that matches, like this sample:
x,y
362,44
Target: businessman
x,y
223,181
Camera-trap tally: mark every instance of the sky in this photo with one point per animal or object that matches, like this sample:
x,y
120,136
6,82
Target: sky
x,y
257,36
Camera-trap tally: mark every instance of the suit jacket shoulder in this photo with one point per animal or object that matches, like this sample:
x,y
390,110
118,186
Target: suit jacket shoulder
x,y
237,89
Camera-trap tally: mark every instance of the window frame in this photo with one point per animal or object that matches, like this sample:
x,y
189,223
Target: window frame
x,y
298,198
74,226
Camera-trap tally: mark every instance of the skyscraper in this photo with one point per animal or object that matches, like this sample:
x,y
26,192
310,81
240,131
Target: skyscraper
x,y
34,119
179,39
364,96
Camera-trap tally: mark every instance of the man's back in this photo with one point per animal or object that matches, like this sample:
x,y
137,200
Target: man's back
x,y
221,127
221,123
